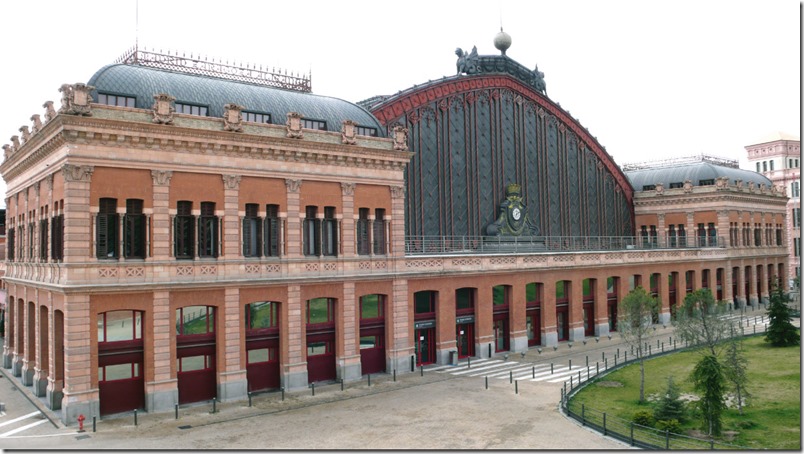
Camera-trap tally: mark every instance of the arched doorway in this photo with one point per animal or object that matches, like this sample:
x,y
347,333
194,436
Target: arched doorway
x,y
195,353
262,345
120,361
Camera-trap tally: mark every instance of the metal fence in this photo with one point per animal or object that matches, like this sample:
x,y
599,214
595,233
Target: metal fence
x,y
628,431
470,244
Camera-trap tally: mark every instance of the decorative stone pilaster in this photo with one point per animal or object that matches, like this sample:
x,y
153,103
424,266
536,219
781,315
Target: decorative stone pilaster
x,y
231,220
294,371
401,350
162,393
348,360
75,99
232,117
293,246
161,239
576,331
600,291
397,221
348,222
294,126
232,383
163,109
79,395
348,132
549,332
77,239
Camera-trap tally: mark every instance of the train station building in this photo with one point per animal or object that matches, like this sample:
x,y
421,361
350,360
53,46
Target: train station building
x,y
180,230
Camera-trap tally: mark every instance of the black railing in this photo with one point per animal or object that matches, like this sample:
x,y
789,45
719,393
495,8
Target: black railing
x,y
436,245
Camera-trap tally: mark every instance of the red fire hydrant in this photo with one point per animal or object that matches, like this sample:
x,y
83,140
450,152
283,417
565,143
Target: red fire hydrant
x,y
81,419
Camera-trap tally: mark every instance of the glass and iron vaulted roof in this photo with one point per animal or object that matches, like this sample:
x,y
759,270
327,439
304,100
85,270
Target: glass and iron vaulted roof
x,y
143,83
696,172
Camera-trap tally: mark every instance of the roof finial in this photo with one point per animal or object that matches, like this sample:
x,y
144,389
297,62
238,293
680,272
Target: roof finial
x,y
502,41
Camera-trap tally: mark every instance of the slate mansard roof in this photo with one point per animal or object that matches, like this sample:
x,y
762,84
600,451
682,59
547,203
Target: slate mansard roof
x,y
144,82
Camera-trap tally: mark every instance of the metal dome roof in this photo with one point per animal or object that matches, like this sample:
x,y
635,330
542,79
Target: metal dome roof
x,y
695,172
143,83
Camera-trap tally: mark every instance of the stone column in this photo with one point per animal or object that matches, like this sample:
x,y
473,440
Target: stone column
x,y
517,315
575,313
599,290
40,378
231,219
740,297
347,327
76,213
29,341
445,324
692,231
399,328
294,369
484,321
161,228
232,383
348,222
293,243
661,229
549,332
162,392
664,298
80,397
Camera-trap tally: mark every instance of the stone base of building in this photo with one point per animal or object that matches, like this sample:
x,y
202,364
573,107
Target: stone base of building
x,y
576,334
401,364
664,318
350,372
739,302
550,339
8,359
295,381
40,383
71,410
232,390
519,344
162,400
16,367
602,330
753,301
53,398
27,375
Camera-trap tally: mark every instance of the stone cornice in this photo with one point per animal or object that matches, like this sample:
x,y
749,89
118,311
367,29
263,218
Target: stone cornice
x,y
726,199
124,133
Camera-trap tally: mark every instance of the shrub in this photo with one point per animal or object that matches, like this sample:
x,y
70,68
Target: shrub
x,y
643,418
670,425
670,406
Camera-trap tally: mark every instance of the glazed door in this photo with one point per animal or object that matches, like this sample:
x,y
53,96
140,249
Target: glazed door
x,y
533,323
501,334
425,346
465,339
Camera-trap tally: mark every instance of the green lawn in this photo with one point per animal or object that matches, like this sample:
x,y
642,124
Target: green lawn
x,y
772,419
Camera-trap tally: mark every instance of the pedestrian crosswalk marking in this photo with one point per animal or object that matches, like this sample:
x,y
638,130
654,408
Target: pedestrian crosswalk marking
x,y
20,429
29,415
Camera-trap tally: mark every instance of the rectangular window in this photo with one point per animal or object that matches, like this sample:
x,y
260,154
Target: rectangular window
x,y
134,230
796,218
262,315
771,165
10,244
261,355
676,185
256,117
424,302
378,232
208,231
795,189
319,348
116,100
43,229
31,234
271,235
320,310
371,307
362,228
191,109
649,187
329,236
764,166
195,320
312,232
708,182
106,229
671,234
464,298
57,238
366,131
796,247
757,235
115,326
252,231
500,295
314,124
758,168
184,231
191,363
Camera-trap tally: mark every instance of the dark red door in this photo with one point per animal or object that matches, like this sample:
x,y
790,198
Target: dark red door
x,y
465,337
588,319
321,357
533,322
121,382
501,332
262,366
196,373
425,346
372,350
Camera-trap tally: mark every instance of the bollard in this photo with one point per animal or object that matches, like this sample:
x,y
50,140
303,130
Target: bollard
x,y
342,382
516,387
214,408
369,380
597,368
533,371
615,361
394,374
176,407
626,356
583,414
551,368
755,329
487,382
510,376
249,399
602,356
618,351
489,350
666,439
283,393
657,343
674,345
607,364
649,351
588,372
579,378
570,364
412,367
469,362
587,360
570,382
662,347
135,416
632,433
93,423
312,385
421,370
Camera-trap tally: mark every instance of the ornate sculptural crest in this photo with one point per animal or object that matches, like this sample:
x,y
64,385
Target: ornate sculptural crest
x,y
467,63
513,218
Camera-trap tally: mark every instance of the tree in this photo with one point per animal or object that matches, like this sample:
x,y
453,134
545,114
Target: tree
x,y
703,321
707,377
781,332
735,366
670,406
634,319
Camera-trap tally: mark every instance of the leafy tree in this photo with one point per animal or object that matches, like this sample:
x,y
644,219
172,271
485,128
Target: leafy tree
x,y
702,320
670,406
735,367
634,320
707,378
781,332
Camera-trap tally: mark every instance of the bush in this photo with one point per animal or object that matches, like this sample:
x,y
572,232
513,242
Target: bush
x,y
670,406
643,418
670,425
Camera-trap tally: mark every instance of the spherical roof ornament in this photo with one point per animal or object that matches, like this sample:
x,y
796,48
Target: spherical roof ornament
x,y
502,41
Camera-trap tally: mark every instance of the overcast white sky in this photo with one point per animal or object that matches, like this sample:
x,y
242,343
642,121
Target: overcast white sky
x,y
649,79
